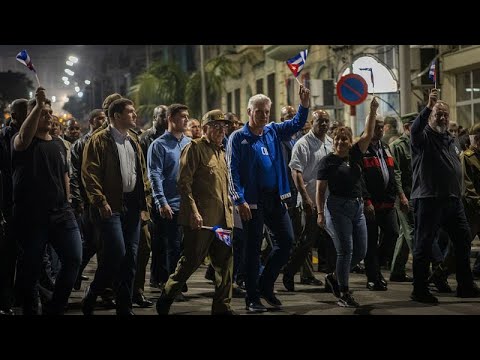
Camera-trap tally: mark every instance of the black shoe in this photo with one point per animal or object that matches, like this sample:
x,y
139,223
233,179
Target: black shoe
x,y
272,300
88,302
237,292
163,304
141,300
424,297
311,281
347,301
210,274
255,306
442,285
184,288
108,303
241,285
471,291
288,282
400,278
125,312
155,284
382,280
376,286
331,285
359,269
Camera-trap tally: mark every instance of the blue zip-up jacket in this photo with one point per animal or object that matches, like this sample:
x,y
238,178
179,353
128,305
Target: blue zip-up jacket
x,y
242,158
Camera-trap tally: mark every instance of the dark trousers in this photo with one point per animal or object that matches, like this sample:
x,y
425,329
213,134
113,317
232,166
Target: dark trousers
x,y
199,244
8,259
430,214
386,220
89,229
166,246
142,257
65,239
120,234
272,212
312,236
238,243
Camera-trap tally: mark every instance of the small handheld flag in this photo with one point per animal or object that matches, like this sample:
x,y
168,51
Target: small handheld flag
x,y
296,63
432,73
221,234
24,58
371,77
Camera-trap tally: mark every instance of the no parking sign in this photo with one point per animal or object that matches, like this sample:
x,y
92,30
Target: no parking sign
x,y
352,89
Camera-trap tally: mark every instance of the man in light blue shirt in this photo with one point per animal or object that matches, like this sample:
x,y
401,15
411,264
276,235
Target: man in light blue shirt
x,y
163,161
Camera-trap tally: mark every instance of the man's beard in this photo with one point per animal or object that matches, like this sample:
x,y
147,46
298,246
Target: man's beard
x,y
439,128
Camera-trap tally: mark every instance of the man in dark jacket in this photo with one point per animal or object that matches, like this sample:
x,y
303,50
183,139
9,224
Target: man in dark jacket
x,y
437,199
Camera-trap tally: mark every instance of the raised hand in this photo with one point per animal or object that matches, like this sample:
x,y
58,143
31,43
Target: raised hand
x,y
374,105
304,96
432,98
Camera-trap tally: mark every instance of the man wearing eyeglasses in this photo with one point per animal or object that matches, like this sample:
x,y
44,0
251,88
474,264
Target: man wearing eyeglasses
x,y
203,186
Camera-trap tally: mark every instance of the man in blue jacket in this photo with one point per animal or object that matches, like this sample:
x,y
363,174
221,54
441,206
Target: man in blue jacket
x,y
258,187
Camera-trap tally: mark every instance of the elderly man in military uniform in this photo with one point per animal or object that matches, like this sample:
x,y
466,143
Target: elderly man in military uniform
x,y
403,176
471,190
203,186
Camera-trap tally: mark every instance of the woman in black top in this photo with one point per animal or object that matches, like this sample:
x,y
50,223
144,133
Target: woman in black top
x,y
342,217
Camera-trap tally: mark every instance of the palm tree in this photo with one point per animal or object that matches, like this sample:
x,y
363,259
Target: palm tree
x,y
160,84
216,71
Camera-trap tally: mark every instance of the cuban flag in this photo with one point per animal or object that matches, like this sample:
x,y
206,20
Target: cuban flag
x,y
432,73
223,235
297,62
23,57
371,74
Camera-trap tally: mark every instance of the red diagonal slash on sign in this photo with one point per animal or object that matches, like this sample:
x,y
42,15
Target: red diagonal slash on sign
x,y
352,89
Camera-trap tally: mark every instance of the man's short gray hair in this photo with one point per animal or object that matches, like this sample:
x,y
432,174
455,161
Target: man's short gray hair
x,y
259,98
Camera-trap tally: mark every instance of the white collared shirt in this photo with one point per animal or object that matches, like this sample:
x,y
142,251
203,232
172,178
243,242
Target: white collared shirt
x,y
306,155
128,160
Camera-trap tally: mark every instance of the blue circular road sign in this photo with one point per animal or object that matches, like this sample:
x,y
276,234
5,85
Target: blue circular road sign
x,y
352,89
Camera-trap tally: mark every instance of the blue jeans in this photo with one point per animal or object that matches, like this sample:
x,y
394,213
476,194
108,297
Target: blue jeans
x,y
346,225
65,238
272,212
121,235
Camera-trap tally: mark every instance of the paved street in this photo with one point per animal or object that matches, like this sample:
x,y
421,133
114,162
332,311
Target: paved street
x,y
306,300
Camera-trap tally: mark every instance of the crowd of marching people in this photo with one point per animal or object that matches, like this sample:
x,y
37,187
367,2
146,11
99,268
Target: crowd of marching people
x,y
252,200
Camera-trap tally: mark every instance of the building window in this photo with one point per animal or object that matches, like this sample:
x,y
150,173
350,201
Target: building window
x,y
388,54
467,98
271,93
229,102
237,101
259,86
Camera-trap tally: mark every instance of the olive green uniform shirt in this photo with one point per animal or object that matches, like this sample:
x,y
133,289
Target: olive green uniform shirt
x,y
203,184
402,156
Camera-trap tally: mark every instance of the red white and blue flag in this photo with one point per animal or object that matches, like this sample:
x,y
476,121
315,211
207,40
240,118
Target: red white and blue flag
x,y
223,235
23,57
297,62
432,73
